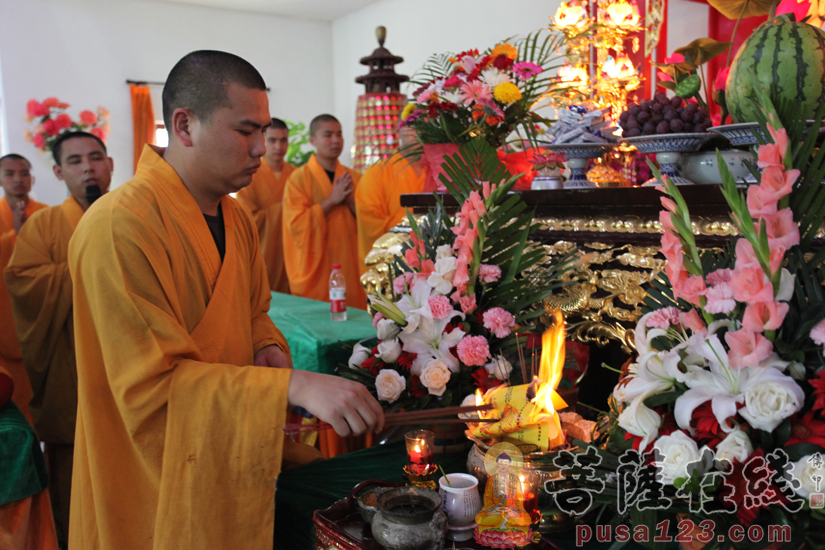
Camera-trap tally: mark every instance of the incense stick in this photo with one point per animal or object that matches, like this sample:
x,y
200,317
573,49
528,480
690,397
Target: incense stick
x,y
292,429
521,359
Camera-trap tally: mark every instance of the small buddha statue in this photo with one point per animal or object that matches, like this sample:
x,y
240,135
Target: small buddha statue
x,y
503,517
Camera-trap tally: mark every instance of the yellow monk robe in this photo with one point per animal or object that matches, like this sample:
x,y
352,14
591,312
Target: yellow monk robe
x,y
10,356
313,242
179,440
378,200
263,200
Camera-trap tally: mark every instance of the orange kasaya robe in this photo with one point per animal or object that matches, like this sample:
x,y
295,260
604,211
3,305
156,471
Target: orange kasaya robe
x,y
263,200
179,439
378,200
38,281
313,242
10,356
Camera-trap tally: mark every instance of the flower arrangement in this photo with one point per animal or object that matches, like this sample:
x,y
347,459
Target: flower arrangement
x,y
485,94
51,120
462,288
722,409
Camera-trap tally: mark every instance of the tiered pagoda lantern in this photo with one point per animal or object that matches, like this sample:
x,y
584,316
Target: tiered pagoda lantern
x,y
378,110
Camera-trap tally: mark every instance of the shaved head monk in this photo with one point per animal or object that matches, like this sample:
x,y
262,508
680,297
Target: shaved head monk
x,y
263,200
15,208
38,280
183,380
378,198
319,219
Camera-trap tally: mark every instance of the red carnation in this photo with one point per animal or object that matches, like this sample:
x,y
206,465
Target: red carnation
x,y
35,108
807,430
63,121
416,389
502,62
39,141
51,128
483,380
819,390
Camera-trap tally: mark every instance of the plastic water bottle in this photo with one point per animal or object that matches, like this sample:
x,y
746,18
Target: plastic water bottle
x,y
337,294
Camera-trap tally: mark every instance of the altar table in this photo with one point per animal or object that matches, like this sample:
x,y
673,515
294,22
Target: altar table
x,y
315,340
319,485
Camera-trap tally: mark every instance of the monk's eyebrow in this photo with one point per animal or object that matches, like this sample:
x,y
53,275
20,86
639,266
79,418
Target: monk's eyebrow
x,y
253,124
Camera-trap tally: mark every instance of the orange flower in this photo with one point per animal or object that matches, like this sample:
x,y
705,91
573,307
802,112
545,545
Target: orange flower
x,y
505,49
51,102
88,118
102,112
99,132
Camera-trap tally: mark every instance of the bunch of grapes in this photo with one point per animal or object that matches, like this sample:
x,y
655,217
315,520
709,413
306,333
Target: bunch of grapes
x,y
663,115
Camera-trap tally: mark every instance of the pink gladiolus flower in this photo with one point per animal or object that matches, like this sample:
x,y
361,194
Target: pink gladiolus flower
x,y
499,321
411,257
401,283
671,247
665,218
664,318
527,70
475,91
747,348
745,255
764,316
782,230
669,204
758,206
427,267
462,276
467,303
775,183
719,299
489,273
777,257
751,285
473,350
690,289
770,155
692,321
440,306
88,118
818,333
719,276
721,79
798,9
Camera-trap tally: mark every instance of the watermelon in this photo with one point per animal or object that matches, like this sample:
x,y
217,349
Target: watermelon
x,y
788,58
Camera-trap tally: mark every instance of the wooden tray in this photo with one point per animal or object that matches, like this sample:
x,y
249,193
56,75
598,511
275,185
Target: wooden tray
x,y
340,526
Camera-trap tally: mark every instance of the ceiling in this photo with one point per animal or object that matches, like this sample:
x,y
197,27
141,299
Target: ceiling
x,y
324,10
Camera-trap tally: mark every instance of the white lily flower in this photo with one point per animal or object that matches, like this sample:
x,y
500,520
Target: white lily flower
x,y
787,282
430,342
415,305
441,279
443,251
640,420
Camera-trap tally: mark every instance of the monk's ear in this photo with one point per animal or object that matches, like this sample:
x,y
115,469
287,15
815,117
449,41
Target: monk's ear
x,y
312,140
183,121
58,171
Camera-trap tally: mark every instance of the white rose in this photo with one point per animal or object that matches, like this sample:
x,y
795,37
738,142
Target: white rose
x,y
389,384
674,454
359,355
387,329
499,368
441,279
736,446
770,402
443,251
389,350
640,420
806,471
434,376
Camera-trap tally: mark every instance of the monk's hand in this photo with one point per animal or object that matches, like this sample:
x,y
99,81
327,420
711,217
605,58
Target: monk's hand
x,y
346,405
19,216
274,357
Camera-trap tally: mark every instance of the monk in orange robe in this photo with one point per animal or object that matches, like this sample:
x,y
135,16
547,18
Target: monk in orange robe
x,y
41,291
15,208
263,200
378,197
319,219
183,380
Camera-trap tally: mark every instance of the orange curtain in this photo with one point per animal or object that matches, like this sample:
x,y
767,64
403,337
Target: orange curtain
x,y
143,118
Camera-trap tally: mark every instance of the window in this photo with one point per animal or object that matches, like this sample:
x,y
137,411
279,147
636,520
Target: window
x,y
161,137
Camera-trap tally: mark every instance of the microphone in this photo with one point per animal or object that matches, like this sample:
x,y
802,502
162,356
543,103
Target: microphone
x,y
93,193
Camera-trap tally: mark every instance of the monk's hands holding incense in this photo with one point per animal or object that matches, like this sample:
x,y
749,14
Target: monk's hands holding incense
x,y
347,406
274,357
341,192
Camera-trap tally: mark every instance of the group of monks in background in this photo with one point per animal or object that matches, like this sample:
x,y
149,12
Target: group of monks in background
x,y
120,343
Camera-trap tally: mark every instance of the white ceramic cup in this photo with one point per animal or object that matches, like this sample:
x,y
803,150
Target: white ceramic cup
x,y
460,499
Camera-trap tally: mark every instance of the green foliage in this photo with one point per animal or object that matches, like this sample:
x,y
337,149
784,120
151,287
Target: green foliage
x,y
298,137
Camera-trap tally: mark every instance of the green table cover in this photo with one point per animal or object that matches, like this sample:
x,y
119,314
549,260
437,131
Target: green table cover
x,y
315,340
22,468
319,485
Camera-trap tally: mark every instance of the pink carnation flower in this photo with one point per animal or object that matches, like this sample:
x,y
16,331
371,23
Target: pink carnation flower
x,y
499,321
473,350
818,333
440,306
401,283
719,299
747,348
719,276
664,318
764,316
489,273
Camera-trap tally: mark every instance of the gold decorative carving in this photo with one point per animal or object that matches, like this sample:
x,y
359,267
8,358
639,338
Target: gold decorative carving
x,y
713,226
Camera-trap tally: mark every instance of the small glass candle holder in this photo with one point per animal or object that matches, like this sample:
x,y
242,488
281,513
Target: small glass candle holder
x,y
530,486
421,469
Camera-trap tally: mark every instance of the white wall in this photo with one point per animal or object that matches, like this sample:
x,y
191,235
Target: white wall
x,y
687,21
82,51
416,30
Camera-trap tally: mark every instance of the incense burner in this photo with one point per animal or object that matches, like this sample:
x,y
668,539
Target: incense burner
x,y
410,518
